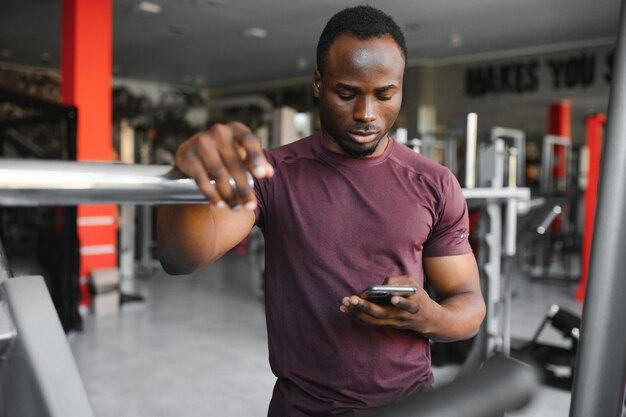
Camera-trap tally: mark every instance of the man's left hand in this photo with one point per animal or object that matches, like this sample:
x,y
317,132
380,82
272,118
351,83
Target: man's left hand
x,y
405,312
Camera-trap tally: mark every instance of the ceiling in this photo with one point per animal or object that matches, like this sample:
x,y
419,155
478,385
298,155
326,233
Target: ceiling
x,y
201,42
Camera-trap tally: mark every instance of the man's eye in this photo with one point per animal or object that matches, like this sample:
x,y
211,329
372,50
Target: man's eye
x,y
346,97
384,98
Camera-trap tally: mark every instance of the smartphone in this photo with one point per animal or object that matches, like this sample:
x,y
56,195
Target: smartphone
x,y
381,294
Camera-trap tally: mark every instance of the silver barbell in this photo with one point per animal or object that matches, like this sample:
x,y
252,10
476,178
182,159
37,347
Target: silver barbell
x,y
29,182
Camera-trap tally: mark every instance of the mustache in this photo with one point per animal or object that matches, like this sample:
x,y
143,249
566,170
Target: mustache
x,y
365,128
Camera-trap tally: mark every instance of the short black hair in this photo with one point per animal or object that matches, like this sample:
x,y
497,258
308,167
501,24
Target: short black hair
x,y
364,22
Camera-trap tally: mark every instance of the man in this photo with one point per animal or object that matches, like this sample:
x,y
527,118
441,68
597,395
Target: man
x,y
341,210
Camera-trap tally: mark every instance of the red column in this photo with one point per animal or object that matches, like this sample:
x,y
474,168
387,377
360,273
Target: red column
x,y
86,73
560,124
595,132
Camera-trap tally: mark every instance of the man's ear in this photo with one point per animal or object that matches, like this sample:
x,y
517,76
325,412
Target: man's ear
x,y
317,83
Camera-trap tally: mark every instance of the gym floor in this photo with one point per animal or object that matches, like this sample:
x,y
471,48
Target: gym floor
x,y
197,345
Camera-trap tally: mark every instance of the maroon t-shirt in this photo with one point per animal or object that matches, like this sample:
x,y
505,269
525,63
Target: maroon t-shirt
x,y
334,225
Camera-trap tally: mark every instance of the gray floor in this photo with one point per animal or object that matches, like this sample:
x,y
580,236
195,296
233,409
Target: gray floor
x,y
197,346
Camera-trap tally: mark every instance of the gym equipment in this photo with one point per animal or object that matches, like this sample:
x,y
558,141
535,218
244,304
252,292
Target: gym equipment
x,y
549,163
518,139
556,362
497,236
549,256
601,363
499,250
473,395
38,375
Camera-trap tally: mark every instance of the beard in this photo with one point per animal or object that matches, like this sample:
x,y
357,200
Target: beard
x,y
355,151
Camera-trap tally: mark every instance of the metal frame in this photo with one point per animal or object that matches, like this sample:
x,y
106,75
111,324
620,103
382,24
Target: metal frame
x,y
38,374
501,245
471,140
598,388
547,162
519,140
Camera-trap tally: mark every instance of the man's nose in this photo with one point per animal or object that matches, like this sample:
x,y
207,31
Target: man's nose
x,y
364,110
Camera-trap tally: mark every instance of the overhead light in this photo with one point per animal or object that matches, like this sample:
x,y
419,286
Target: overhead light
x,y
149,7
255,32
302,63
455,40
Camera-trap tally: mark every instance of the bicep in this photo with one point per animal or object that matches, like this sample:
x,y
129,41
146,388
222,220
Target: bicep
x,y
451,275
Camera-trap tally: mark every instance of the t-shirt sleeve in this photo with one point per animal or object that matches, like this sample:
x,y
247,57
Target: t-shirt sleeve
x,y
450,234
261,189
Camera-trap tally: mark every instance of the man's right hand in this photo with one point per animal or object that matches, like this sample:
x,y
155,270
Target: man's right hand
x,y
224,153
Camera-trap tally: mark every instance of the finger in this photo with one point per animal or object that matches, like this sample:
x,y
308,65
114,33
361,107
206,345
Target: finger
x,y
409,305
195,169
254,160
368,308
215,167
231,158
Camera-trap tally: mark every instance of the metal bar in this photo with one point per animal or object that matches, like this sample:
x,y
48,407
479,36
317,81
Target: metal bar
x,y
519,141
498,179
520,194
549,219
601,363
67,183
470,150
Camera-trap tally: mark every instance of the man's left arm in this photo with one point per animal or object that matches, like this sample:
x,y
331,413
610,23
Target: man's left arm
x,y
455,314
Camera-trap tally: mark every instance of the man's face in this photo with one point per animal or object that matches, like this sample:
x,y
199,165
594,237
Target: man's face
x,y
360,94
